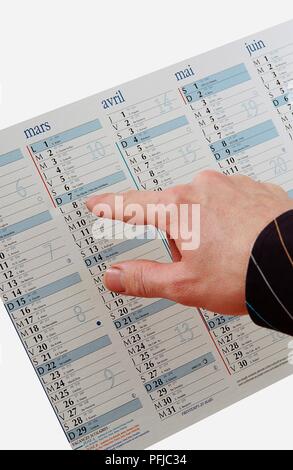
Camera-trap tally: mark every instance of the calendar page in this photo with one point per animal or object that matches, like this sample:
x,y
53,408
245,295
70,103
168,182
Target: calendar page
x,y
123,372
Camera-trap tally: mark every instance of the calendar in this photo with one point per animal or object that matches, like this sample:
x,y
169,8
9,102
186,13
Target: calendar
x,y
124,372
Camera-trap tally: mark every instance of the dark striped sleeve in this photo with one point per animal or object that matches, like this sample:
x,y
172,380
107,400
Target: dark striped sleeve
x,y
269,281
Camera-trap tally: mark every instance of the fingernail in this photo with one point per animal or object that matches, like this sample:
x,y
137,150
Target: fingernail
x,y
114,279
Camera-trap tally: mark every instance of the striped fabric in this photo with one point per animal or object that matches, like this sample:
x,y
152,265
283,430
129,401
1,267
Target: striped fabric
x,y
269,282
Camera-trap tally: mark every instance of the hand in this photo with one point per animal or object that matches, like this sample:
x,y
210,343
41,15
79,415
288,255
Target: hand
x,y
233,211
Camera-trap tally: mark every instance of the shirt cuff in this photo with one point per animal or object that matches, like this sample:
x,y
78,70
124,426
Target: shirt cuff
x,y
269,280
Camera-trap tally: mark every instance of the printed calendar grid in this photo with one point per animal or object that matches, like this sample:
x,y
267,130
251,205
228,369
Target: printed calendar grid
x,y
149,134
109,253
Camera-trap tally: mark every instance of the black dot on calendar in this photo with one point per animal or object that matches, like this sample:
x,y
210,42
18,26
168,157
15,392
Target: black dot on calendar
x,y
99,323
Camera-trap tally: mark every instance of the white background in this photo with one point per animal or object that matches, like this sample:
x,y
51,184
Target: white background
x,y
57,51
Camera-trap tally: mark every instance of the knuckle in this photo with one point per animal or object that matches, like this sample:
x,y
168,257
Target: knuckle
x,y
243,179
139,282
205,176
271,187
177,194
161,197
129,196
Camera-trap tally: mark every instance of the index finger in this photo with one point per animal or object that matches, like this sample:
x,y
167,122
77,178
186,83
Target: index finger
x,y
136,207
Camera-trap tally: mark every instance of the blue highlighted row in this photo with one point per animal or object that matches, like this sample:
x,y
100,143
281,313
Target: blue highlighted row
x,y
143,312
43,292
66,136
224,319
90,188
74,355
244,140
105,419
115,250
24,225
180,372
154,132
216,83
10,157
282,100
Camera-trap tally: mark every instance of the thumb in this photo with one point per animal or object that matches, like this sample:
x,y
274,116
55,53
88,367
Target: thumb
x,y
143,278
